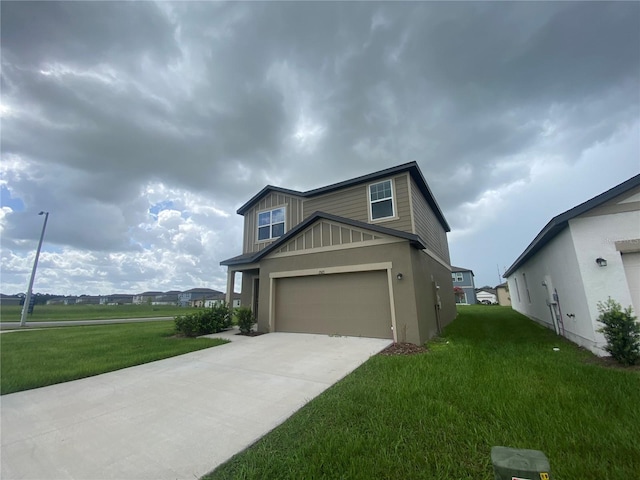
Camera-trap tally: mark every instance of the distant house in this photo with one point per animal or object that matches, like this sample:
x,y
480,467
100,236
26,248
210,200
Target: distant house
x,y
463,286
88,300
166,298
116,299
581,257
502,292
56,301
217,299
8,300
145,297
486,295
185,298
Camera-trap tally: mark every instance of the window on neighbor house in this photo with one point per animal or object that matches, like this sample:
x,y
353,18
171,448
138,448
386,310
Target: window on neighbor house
x,y
271,224
457,276
381,200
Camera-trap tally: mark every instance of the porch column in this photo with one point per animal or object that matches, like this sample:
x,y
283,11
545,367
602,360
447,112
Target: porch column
x,y
231,277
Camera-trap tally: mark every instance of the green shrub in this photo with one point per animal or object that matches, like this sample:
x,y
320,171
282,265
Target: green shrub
x,y
204,322
244,317
188,325
621,331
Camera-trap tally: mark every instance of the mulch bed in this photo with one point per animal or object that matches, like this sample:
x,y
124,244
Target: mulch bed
x,y
250,334
403,349
610,362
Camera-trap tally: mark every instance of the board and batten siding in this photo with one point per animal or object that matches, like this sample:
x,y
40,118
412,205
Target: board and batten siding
x,y
353,203
427,225
293,217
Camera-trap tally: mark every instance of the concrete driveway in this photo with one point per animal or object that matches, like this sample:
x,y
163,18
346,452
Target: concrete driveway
x,y
177,418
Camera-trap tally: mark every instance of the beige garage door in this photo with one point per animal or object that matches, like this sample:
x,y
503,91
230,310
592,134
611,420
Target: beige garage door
x,y
350,304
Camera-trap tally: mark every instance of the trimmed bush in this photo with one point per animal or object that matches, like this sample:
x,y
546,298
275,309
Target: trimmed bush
x,y
204,322
188,325
621,331
244,317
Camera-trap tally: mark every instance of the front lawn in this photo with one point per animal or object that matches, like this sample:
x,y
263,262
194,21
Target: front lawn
x,y
37,358
42,313
492,379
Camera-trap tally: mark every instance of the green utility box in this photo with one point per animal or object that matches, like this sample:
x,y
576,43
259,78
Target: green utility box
x,y
518,464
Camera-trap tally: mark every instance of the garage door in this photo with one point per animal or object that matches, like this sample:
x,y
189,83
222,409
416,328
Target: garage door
x,y
350,304
631,262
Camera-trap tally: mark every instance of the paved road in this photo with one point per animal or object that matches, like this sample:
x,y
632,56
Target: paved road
x,y
70,323
177,418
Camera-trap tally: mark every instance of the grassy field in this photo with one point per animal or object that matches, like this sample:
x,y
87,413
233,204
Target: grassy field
x,y
90,312
38,358
492,379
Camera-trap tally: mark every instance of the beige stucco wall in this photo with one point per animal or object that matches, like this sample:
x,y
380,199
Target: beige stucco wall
x,y
413,295
504,298
428,273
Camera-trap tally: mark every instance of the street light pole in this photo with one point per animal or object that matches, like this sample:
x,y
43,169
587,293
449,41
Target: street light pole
x,y
27,300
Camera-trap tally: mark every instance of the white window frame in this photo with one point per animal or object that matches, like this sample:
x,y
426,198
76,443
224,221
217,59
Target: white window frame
x,y
392,198
271,224
457,277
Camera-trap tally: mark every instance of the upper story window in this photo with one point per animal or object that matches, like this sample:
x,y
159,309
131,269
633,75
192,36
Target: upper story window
x,y
381,200
271,224
457,276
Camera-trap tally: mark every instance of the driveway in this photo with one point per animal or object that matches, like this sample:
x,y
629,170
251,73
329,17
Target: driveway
x,y
177,418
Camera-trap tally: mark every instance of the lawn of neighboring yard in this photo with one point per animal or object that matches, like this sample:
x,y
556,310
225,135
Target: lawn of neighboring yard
x,y
492,379
37,358
90,312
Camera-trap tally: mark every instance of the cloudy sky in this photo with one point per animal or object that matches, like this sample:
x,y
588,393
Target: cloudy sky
x,y
142,127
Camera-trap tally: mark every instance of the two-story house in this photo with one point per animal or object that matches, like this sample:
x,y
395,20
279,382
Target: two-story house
x,y
185,298
463,286
364,257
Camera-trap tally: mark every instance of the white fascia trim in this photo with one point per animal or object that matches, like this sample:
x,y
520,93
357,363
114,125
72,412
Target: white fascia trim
x,y
365,267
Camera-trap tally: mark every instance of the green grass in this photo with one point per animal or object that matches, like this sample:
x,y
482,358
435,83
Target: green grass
x,y
90,312
37,358
492,379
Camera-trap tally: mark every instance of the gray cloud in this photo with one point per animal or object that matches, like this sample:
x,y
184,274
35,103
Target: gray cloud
x,y
104,101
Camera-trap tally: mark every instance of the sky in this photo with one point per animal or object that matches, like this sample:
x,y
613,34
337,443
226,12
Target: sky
x,y
142,126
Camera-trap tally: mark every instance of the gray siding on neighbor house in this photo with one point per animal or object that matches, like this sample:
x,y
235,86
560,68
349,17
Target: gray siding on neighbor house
x,y
427,225
272,200
353,203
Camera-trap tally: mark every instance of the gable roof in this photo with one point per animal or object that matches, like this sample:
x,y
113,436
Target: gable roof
x,y
461,269
413,239
559,222
412,168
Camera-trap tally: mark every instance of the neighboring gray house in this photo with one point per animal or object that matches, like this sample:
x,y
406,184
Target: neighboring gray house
x,y
463,286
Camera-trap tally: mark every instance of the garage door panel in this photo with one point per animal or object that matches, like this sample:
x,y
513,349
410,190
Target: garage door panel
x,y
351,304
